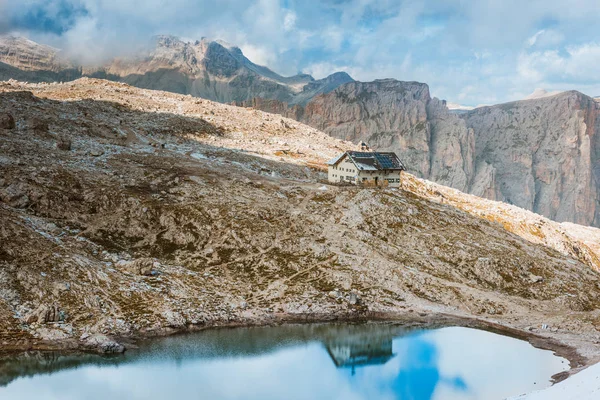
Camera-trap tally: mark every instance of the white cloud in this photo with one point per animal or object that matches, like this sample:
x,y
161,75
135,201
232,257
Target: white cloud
x,y
258,55
578,64
323,69
289,21
476,52
546,38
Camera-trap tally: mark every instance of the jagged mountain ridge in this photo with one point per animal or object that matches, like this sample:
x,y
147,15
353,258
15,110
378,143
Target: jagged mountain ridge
x,y
205,68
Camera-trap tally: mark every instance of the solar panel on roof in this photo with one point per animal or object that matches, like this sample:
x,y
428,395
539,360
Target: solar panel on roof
x,y
385,161
380,160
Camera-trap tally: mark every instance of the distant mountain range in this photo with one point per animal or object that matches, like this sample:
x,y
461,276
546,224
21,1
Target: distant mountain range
x,y
541,154
210,69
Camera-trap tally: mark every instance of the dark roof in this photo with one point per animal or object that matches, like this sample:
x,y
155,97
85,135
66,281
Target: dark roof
x,y
372,160
359,360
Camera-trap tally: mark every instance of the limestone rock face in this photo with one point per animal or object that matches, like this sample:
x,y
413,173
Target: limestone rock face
x,y
29,56
390,115
385,114
26,60
544,153
452,147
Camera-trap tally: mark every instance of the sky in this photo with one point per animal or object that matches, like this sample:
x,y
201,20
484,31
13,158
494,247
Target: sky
x,y
469,51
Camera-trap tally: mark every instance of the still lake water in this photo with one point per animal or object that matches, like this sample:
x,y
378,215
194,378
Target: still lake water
x,y
324,361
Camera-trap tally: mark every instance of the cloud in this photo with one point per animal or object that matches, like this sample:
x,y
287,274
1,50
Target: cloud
x,y
57,16
577,64
475,52
546,38
322,69
258,55
289,21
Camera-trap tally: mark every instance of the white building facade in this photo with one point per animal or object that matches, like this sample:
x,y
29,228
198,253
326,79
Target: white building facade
x,y
366,168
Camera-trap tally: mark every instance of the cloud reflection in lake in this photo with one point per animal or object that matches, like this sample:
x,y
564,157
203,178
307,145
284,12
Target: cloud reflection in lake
x,y
304,362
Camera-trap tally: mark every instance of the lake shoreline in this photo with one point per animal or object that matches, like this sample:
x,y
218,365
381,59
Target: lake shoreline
x,y
417,320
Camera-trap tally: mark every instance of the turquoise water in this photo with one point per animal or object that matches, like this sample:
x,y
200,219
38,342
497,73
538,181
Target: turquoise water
x,y
350,362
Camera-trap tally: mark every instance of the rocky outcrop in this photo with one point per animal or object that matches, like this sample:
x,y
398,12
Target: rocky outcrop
x,y
101,343
6,121
544,155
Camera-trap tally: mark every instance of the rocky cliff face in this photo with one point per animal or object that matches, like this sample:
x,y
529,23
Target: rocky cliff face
x,y
393,116
30,56
359,112
539,154
25,60
544,154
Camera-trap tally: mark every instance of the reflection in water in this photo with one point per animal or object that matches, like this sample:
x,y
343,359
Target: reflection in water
x,y
360,349
423,357
342,361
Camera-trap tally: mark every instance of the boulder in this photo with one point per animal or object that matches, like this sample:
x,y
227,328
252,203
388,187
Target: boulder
x,y
44,314
102,344
141,266
7,121
354,299
63,143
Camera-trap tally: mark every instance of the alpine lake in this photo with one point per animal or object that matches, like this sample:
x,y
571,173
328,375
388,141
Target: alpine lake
x,y
346,361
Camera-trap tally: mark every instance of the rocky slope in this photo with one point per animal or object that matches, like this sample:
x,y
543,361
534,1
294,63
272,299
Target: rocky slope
x,y
144,212
579,242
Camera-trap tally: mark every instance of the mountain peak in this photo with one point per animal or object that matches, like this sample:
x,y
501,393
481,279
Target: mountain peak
x,y
27,55
539,93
